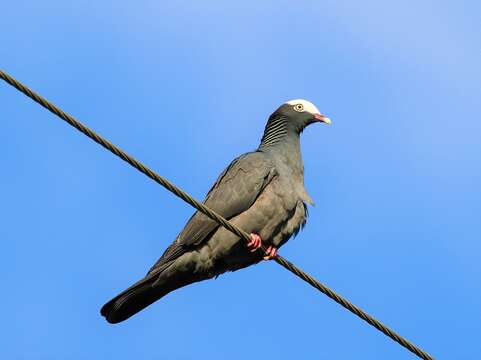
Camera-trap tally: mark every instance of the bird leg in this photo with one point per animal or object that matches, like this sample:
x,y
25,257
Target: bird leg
x,y
255,242
271,253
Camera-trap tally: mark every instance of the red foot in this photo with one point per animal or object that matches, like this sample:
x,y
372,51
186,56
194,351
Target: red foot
x,y
255,243
271,253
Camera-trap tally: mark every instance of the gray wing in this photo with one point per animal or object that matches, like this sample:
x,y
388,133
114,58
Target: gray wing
x,y
234,192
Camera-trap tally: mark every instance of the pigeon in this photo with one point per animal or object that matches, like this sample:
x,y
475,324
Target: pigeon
x,y
262,192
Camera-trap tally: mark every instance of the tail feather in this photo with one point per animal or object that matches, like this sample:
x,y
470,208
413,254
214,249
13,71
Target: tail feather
x,y
145,292
131,301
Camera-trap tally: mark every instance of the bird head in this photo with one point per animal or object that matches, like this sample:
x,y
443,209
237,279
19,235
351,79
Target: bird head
x,y
290,119
301,113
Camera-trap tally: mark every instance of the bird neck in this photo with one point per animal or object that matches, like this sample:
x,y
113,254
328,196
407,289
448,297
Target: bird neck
x,y
283,142
278,130
275,131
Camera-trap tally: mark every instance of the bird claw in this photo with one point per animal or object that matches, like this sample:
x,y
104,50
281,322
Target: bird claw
x,y
255,242
271,253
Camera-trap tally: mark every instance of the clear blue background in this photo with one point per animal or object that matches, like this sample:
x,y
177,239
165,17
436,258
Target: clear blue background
x,y
187,86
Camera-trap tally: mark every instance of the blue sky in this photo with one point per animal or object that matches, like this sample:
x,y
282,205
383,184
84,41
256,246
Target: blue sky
x,y
187,86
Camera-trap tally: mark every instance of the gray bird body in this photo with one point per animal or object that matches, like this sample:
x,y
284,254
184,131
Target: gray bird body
x,y
261,192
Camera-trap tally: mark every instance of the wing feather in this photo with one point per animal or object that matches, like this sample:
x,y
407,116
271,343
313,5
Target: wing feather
x,y
236,189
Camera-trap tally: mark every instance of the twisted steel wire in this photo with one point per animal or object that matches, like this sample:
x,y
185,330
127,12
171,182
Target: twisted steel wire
x,y
212,214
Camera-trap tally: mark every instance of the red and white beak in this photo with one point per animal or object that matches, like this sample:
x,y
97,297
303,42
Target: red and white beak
x,y
322,118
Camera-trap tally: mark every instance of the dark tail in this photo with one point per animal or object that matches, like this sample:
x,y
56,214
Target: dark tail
x,y
131,301
145,292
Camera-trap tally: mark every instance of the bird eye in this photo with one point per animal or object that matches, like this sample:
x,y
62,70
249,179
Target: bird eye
x,y
299,107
